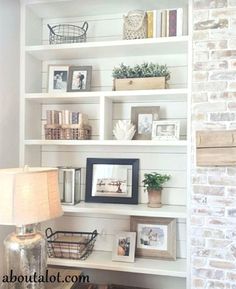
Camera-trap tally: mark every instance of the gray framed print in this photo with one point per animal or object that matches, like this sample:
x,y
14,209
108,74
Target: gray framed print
x,y
156,237
142,117
79,78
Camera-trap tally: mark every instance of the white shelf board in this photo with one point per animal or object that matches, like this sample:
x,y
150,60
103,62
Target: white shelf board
x,y
177,143
103,261
179,94
75,8
127,210
104,49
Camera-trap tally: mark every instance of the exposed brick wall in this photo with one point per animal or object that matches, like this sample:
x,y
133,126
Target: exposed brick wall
x,y
213,198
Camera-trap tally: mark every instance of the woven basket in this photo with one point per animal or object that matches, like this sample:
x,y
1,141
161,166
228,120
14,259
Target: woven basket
x,y
67,132
135,25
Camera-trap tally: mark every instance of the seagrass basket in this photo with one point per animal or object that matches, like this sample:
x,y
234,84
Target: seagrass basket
x,y
135,25
67,132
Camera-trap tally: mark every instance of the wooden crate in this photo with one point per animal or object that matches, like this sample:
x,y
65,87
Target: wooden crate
x,y
140,83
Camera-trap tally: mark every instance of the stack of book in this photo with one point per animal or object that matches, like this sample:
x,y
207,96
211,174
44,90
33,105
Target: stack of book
x,y
63,117
165,23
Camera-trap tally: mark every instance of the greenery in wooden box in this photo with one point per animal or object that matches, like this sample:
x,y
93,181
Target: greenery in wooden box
x,y
144,76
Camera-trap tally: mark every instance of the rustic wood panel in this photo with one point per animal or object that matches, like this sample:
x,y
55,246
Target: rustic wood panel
x,y
216,138
216,148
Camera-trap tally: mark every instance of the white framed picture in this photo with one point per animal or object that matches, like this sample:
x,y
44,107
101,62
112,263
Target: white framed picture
x,y
165,130
57,78
124,247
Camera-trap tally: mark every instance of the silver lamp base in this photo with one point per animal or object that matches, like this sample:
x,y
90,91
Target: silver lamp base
x,y
26,257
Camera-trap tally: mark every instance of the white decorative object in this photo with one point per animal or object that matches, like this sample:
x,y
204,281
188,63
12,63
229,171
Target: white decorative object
x,y
124,130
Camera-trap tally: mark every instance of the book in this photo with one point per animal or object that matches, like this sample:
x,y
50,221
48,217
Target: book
x,y
173,22
75,117
49,116
150,24
179,30
167,23
158,23
163,23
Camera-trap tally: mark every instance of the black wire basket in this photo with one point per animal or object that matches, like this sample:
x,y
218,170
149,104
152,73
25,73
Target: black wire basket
x,y
70,245
66,33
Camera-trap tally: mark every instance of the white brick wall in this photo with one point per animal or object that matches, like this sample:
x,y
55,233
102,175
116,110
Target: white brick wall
x,y
213,198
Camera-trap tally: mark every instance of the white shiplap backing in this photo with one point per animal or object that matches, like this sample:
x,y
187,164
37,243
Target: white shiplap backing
x,y
164,160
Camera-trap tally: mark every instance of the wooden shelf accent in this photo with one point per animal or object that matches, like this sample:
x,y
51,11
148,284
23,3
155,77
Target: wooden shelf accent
x,y
177,143
179,94
216,148
103,261
127,210
115,48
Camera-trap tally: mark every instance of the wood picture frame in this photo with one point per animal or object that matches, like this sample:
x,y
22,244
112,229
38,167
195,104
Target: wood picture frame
x,y
112,181
124,247
156,237
165,130
58,78
79,78
142,117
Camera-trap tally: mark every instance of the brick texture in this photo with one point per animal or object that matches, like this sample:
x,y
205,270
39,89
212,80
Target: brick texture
x,y
213,196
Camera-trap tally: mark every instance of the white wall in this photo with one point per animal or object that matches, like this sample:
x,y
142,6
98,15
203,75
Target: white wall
x,y
9,92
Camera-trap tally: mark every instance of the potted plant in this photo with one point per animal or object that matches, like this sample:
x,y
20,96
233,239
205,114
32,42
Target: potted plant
x,y
144,76
153,182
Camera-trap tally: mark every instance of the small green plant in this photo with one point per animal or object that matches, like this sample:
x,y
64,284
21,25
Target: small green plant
x,y
140,71
155,181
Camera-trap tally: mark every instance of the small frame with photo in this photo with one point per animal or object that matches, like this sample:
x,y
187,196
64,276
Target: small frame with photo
x,y
79,78
156,237
112,181
165,130
124,247
142,117
57,78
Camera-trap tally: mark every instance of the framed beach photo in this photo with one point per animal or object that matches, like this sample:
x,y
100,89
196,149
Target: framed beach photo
x,y
80,78
165,130
57,78
124,247
142,117
156,237
112,180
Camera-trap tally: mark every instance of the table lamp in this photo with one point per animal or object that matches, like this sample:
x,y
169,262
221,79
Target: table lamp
x,y
28,196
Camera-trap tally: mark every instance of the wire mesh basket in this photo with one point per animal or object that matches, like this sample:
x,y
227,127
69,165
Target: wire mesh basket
x,y
70,245
66,33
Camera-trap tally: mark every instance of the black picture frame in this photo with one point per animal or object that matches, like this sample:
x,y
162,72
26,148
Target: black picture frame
x,y
133,199
83,84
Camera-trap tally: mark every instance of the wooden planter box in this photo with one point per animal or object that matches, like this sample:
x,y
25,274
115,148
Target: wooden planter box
x,y
140,83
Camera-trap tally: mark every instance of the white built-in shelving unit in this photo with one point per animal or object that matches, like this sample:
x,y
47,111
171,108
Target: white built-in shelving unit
x,y
103,50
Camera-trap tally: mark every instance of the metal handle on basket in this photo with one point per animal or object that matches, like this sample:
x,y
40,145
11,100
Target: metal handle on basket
x,y
48,230
85,26
94,234
50,28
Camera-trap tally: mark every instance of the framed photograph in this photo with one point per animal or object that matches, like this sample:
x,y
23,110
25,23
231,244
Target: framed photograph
x,y
156,237
57,78
124,247
79,78
142,117
165,130
112,181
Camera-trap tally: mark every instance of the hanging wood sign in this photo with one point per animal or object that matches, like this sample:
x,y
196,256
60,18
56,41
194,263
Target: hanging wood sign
x,y
216,148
